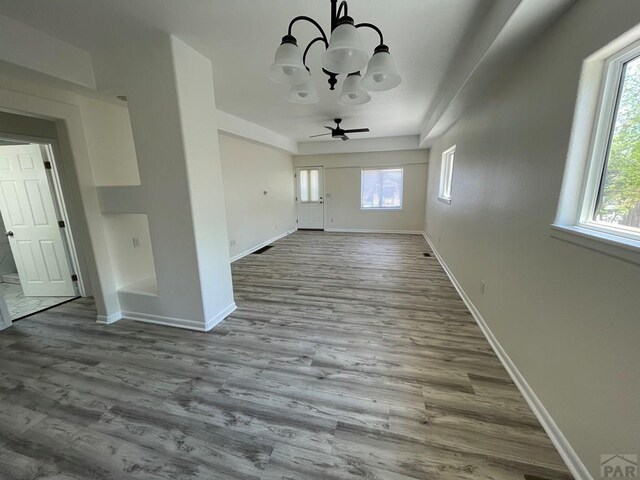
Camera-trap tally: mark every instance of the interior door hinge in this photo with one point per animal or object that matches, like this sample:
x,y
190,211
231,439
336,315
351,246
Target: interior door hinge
x,y
74,278
61,224
47,165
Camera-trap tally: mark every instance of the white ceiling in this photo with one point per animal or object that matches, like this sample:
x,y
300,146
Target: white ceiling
x,y
241,36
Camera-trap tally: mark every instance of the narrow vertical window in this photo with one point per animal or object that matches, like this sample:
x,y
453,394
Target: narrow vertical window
x,y
304,185
314,180
446,174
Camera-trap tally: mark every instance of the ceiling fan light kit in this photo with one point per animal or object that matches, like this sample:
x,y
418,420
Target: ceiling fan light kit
x,y
344,55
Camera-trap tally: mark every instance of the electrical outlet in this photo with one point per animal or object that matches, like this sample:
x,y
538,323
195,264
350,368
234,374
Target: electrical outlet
x,y
482,285
332,220
136,242
232,243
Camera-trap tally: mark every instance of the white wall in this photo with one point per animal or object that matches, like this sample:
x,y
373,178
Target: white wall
x,y
110,141
568,317
130,264
197,112
248,170
114,163
31,48
342,189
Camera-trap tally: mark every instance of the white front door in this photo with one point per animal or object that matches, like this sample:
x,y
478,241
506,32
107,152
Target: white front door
x,y
310,197
32,226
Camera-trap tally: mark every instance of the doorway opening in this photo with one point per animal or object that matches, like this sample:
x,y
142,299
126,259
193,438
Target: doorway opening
x,y
37,262
310,198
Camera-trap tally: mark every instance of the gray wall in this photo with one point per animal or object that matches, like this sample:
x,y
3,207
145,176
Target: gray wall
x,y
342,172
248,170
568,317
23,125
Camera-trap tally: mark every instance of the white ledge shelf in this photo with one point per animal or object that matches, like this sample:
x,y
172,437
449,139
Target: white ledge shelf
x,y
620,247
147,286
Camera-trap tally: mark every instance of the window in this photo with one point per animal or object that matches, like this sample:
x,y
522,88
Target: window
x,y
381,189
600,199
309,185
446,175
615,203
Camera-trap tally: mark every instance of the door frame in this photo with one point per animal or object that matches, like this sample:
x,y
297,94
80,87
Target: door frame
x,y
51,152
324,195
79,187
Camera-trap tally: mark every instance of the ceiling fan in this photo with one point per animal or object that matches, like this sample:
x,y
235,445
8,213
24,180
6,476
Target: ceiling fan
x,y
339,132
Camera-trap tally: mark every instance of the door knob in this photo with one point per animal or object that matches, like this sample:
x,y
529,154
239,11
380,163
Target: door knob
x,y
9,233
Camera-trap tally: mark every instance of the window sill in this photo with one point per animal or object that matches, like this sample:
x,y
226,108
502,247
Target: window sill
x,y
379,209
444,200
610,244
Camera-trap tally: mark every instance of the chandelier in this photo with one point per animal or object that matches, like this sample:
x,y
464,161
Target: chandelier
x,y
343,55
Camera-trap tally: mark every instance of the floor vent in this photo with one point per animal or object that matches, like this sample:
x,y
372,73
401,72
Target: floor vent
x,y
262,250
426,254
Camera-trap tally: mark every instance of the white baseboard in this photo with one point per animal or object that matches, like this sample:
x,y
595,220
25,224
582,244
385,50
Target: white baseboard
x,y
180,322
263,244
370,230
566,451
212,322
111,318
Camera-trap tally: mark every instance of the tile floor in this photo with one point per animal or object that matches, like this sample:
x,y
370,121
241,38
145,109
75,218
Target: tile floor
x,y
19,305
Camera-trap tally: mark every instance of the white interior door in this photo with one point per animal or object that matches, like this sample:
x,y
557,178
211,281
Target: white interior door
x,y
32,225
310,197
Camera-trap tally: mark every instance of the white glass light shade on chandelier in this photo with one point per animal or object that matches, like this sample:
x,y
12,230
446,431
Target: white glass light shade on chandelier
x,y
345,53
353,93
303,93
288,68
381,72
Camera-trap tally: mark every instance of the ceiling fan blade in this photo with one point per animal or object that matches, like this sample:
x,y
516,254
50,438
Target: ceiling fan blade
x,y
345,138
356,130
329,128
321,135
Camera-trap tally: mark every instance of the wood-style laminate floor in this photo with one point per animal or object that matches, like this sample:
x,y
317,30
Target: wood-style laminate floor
x,y
349,357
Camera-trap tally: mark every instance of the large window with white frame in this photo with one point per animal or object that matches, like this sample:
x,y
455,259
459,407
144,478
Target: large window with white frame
x,y
611,199
446,174
612,196
381,189
600,201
